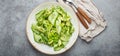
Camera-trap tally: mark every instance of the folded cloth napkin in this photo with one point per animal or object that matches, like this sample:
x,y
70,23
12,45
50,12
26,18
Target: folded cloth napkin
x,y
98,22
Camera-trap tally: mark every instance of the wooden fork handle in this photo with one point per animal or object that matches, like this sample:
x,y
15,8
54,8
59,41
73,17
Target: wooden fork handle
x,y
82,20
84,15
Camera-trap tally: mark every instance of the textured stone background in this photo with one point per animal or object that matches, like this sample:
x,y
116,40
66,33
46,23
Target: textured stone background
x,y
13,41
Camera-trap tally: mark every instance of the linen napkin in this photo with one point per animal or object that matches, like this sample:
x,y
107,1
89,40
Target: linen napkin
x,y
98,22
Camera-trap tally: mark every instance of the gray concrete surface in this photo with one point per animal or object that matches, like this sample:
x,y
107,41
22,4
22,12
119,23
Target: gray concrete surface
x,y
13,41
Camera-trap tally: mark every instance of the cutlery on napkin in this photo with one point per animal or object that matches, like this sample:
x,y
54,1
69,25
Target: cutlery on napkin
x,y
98,23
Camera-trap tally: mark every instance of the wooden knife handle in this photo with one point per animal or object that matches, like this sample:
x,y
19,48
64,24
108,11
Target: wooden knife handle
x,y
82,20
84,15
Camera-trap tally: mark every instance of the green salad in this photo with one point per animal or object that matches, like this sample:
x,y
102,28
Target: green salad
x,y
53,27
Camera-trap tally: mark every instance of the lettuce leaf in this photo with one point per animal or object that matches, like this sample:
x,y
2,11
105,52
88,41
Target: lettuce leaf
x,y
52,27
53,17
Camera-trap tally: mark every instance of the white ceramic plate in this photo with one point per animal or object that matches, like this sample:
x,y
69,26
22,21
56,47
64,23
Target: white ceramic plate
x,y
45,48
